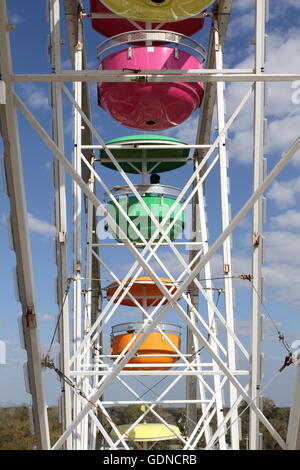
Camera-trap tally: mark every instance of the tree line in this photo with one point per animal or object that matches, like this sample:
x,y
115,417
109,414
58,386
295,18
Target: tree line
x,y
15,429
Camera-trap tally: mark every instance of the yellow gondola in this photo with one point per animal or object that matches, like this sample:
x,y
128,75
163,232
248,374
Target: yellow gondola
x,y
159,11
148,432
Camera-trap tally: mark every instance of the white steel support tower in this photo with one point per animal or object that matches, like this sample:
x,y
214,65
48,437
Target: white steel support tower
x,y
258,167
60,214
206,380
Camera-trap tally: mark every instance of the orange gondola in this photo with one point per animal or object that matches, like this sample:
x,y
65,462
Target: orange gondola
x,y
144,290
154,350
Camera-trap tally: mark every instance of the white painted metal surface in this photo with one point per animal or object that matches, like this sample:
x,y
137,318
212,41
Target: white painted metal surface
x,y
20,233
88,371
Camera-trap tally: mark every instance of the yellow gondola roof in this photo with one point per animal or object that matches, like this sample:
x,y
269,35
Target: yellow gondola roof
x,y
157,10
145,432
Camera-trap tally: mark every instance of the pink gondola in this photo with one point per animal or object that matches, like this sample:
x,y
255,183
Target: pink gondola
x,y
150,106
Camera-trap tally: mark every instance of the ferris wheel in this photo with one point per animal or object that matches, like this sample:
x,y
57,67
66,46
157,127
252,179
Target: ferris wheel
x,y
143,320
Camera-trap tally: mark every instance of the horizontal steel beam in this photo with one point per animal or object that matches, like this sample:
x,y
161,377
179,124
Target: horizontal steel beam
x,y
158,372
146,76
147,147
114,16
198,244
148,402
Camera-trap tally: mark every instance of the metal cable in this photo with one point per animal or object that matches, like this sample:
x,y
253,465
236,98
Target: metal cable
x,y
68,285
279,333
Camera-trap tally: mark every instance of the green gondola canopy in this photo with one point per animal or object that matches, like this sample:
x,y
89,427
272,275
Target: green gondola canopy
x,y
173,158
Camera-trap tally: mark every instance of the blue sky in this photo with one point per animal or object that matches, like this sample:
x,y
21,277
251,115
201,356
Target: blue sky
x,y
282,229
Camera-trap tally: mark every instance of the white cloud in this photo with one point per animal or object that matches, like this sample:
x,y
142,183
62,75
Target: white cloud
x,y
48,166
284,277
281,134
243,5
285,193
66,64
242,23
283,45
69,124
287,220
241,146
240,141
35,225
40,227
278,9
282,246
35,96
15,18
289,3
38,100
283,115
186,131
281,268
241,264
46,318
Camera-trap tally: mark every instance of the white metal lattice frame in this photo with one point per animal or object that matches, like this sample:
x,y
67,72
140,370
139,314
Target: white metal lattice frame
x,y
76,365
133,350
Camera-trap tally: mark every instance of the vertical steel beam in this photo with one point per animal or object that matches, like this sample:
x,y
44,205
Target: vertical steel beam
x,y
200,234
203,136
259,98
88,294
293,435
193,295
211,315
191,381
60,214
77,235
225,219
20,233
93,302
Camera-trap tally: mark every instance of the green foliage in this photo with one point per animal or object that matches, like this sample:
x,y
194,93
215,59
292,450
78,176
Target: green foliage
x,y
15,431
277,416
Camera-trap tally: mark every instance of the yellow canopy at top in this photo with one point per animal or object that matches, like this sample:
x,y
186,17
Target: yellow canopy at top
x,y
159,11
